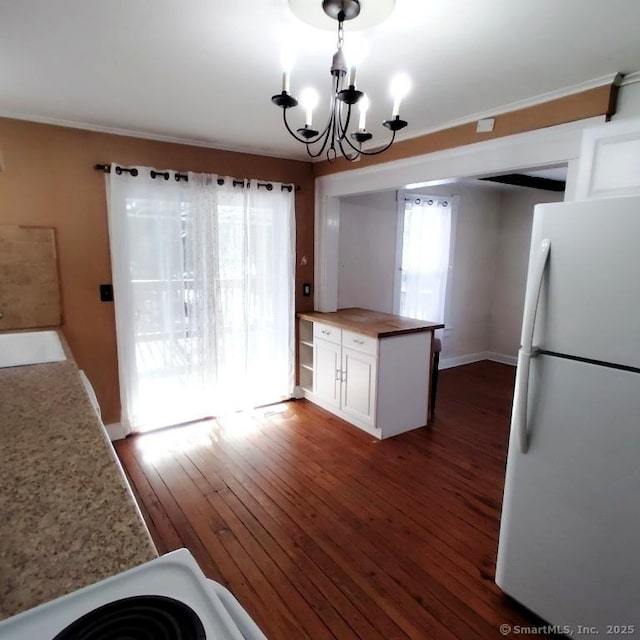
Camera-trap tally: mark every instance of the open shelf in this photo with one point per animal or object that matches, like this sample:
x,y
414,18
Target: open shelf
x,y
305,355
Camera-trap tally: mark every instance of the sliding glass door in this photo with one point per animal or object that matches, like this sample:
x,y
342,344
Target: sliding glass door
x,y
204,290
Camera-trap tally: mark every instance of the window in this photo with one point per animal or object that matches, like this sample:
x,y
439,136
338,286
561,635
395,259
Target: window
x,y
425,232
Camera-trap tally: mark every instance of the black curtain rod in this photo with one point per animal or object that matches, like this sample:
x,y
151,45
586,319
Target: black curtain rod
x,y
105,168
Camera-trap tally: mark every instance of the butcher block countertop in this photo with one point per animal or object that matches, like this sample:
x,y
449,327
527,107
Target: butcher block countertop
x,y
68,518
370,323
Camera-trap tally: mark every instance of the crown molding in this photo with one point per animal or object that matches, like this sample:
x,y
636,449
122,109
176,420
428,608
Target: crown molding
x,y
144,135
611,78
630,78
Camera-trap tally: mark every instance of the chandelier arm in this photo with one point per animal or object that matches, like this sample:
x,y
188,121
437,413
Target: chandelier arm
x,y
373,153
326,133
322,148
352,158
290,130
344,128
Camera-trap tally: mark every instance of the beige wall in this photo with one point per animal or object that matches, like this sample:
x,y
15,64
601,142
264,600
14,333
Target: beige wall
x,y
511,261
49,180
472,276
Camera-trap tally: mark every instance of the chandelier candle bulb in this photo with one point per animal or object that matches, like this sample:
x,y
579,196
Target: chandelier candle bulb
x,y
364,107
285,82
352,77
309,100
400,86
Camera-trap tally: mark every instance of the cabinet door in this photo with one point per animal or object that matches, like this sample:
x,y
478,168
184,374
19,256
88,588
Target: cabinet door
x,y
359,385
326,371
609,161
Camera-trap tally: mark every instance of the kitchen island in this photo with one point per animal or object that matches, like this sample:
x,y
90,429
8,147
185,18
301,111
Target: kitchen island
x,y
68,517
370,368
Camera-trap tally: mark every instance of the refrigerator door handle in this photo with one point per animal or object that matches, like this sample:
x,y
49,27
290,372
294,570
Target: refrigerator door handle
x,y
533,294
526,350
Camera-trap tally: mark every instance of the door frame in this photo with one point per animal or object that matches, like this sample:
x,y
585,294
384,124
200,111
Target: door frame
x,y
541,148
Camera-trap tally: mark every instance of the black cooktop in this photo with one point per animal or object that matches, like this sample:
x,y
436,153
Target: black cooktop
x,y
137,618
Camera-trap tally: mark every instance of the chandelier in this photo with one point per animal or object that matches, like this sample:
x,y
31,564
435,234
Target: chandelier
x,y
334,136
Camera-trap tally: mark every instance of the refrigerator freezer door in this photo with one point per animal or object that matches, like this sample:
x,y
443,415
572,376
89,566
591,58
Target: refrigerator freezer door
x,y
590,299
570,524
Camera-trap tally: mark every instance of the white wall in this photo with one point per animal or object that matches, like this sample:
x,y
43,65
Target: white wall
x,y
511,260
489,263
628,101
367,251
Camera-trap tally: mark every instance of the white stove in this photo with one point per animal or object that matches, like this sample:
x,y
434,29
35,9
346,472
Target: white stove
x,y
168,598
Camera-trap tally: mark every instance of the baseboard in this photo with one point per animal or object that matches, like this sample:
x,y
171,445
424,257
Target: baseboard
x,y
115,431
458,361
501,357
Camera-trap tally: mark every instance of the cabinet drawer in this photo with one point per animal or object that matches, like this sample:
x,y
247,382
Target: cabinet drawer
x,y
358,341
327,332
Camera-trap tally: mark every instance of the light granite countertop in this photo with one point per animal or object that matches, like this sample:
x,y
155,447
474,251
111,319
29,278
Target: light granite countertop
x,y
67,515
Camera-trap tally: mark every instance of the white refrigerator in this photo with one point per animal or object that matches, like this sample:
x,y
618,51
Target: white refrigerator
x,y
569,545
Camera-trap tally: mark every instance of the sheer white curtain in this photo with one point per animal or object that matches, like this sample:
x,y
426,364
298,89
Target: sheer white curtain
x,y
251,271
203,280
426,242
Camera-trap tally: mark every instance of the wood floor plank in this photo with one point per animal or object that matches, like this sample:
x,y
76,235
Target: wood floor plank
x,y
300,536
321,531
405,526
300,572
374,521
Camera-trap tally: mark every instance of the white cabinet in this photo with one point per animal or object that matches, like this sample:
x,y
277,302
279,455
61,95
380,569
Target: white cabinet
x,y
609,162
358,397
327,369
344,365
378,384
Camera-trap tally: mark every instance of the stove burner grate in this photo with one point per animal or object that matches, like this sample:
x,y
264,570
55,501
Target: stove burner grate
x,y
137,618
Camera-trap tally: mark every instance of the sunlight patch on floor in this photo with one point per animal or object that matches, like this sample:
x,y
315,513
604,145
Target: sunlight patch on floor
x,y
158,445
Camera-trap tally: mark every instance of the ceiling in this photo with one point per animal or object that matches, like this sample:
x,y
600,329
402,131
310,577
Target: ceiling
x,y
204,71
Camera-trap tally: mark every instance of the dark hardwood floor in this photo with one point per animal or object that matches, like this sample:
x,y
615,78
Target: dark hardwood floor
x,y
322,531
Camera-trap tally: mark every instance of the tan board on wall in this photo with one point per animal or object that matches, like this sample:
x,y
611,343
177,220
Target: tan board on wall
x,y
29,285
